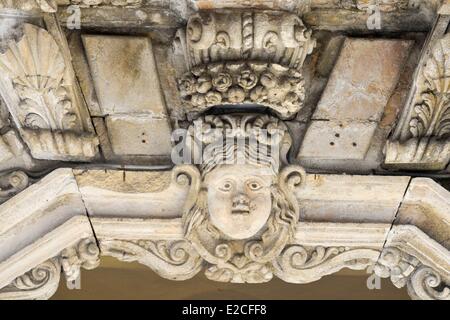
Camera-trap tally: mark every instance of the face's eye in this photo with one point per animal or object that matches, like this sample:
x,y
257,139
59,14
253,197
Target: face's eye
x,y
226,186
254,185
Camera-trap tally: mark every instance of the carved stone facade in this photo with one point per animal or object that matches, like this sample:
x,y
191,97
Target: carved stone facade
x,y
245,57
245,140
43,100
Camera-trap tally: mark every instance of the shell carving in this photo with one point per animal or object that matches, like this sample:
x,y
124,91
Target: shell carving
x,y
36,68
35,61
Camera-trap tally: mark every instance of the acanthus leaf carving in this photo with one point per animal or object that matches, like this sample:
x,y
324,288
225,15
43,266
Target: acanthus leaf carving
x,y
175,260
42,100
421,139
300,264
432,116
37,73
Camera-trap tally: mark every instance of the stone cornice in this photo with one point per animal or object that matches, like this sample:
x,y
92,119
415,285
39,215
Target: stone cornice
x,y
317,249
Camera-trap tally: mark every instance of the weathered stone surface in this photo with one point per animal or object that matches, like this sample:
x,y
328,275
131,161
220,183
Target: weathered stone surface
x,y
349,198
131,194
337,140
139,135
37,210
427,206
354,99
239,222
362,80
124,74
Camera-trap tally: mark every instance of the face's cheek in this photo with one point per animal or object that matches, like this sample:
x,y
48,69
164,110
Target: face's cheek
x,y
260,201
219,204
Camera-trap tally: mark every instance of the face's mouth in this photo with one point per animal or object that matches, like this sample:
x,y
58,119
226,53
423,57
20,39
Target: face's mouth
x,y
241,209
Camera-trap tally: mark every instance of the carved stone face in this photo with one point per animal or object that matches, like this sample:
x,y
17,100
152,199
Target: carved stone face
x,y
239,199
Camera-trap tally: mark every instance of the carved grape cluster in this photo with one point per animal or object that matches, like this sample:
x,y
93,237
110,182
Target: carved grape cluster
x,y
271,85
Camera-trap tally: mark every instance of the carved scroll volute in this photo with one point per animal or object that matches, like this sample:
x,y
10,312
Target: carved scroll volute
x,y
39,283
188,175
294,34
174,260
422,282
427,284
201,31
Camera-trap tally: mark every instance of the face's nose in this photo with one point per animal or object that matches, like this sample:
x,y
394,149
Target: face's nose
x,y
240,199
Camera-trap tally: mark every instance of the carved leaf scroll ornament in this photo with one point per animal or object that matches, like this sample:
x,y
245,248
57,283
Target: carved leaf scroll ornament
x,y
174,260
432,116
422,282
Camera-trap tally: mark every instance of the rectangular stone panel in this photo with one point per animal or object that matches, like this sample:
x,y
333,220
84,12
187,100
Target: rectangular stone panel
x,y
363,79
139,135
334,140
350,198
124,74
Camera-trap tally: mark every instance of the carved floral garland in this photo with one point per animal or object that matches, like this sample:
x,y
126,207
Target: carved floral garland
x,y
272,85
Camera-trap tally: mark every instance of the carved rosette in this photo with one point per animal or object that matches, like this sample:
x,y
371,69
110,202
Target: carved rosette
x,y
42,99
422,282
245,57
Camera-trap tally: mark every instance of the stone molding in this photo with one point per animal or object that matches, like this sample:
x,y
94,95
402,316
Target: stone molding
x,y
160,243
410,258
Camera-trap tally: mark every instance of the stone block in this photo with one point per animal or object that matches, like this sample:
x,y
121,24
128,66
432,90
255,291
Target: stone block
x,y
363,79
350,198
124,74
339,141
139,135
